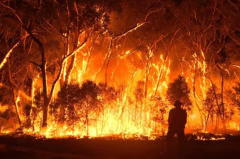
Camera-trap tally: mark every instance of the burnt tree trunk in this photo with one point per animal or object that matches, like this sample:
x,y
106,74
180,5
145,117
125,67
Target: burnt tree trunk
x,y
13,95
222,103
147,70
12,88
194,93
62,100
69,70
45,92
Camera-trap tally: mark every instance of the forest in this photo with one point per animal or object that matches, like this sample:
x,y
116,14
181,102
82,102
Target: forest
x,y
100,68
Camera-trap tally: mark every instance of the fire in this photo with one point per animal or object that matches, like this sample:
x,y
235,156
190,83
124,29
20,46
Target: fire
x,y
126,90
126,116
211,138
105,68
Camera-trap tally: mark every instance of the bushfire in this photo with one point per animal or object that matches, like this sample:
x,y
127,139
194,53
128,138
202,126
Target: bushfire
x,y
82,75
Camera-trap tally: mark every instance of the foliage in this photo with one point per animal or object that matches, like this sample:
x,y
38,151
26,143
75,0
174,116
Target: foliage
x,y
89,98
159,109
236,97
210,105
108,95
83,104
178,90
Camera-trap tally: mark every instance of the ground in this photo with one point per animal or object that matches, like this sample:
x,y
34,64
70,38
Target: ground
x,y
26,147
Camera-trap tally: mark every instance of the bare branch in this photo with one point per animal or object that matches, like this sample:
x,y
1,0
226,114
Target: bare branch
x,y
155,11
40,4
129,30
76,50
54,28
32,36
234,5
8,54
238,66
36,64
132,52
61,66
14,12
10,51
234,38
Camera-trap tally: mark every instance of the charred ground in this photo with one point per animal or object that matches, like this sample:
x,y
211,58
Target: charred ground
x,y
108,148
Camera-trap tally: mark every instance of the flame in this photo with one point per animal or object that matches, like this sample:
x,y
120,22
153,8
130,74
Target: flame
x,y
211,138
126,116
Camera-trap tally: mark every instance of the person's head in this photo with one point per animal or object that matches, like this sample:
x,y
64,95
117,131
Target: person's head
x,y
177,104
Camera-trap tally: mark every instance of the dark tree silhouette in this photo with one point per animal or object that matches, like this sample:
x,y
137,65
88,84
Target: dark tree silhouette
x,y
236,97
178,90
210,105
90,106
70,97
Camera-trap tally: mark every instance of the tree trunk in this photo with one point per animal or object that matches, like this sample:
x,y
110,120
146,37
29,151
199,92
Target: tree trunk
x,y
161,72
206,121
146,78
194,93
62,105
63,84
87,122
45,92
102,121
13,94
108,61
44,76
69,70
16,108
222,103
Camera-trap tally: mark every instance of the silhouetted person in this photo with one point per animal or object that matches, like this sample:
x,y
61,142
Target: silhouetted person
x,y
176,124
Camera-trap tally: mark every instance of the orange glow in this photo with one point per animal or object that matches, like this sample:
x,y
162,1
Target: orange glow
x,y
126,116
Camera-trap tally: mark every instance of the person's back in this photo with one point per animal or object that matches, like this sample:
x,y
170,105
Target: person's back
x,y
177,118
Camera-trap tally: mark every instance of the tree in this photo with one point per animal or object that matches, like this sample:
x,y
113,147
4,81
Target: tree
x,y
71,21
37,107
90,106
236,97
107,100
210,106
159,110
55,40
68,96
178,90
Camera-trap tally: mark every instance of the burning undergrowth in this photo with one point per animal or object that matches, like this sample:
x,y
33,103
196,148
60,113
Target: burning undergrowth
x,y
103,69
198,136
